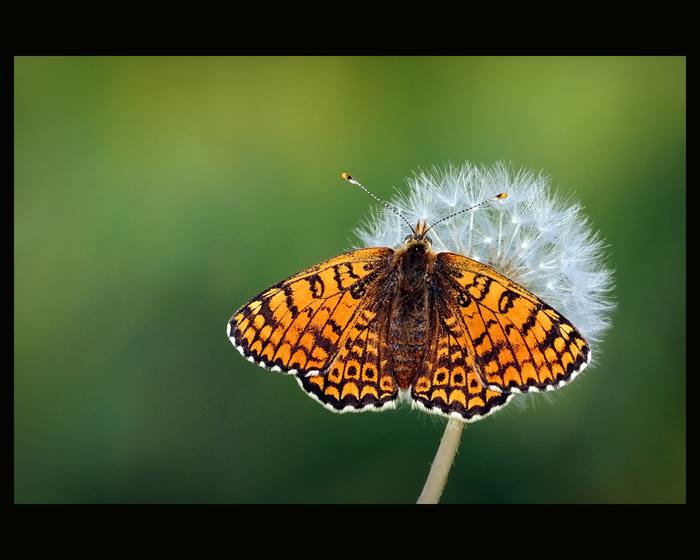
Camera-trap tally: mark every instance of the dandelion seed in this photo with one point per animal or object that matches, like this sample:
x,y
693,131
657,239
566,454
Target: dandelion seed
x,y
535,237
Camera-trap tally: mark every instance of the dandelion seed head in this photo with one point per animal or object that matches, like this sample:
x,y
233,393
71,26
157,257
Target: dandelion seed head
x,y
535,236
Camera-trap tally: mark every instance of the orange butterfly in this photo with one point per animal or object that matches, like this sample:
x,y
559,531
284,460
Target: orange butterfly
x,y
357,329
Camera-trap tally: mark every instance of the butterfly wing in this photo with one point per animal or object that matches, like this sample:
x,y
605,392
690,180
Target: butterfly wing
x,y
360,374
448,382
518,342
324,325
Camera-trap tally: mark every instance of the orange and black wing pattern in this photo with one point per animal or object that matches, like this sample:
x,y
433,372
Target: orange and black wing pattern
x,y
324,326
449,381
487,337
519,343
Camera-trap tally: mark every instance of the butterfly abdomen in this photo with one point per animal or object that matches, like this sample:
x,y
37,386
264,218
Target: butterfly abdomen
x,y
409,323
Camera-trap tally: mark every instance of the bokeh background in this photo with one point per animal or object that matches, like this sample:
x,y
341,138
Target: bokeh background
x,y
154,196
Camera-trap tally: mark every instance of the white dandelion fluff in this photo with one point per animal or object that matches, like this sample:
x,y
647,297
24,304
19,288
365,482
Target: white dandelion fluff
x,y
534,236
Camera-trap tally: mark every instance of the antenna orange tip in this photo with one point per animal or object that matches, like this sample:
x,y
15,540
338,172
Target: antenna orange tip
x,y
502,195
346,176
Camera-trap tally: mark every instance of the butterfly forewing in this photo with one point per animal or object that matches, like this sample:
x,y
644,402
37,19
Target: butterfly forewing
x,y
519,343
299,324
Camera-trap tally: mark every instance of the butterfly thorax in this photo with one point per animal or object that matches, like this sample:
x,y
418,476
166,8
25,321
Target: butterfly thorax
x,y
409,322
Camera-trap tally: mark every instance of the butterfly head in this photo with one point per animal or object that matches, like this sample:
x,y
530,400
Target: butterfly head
x,y
419,235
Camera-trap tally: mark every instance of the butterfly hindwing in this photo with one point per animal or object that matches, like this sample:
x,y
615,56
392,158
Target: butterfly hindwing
x,y
359,376
448,382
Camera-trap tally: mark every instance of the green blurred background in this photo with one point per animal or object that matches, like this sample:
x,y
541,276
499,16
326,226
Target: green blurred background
x,y
154,196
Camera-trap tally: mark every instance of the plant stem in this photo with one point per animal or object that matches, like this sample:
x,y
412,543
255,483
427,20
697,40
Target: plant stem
x,y
437,477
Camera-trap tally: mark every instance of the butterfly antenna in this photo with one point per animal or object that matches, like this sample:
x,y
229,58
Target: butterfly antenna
x,y
497,197
350,179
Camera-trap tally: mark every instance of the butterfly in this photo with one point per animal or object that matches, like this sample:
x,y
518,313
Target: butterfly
x,y
370,327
